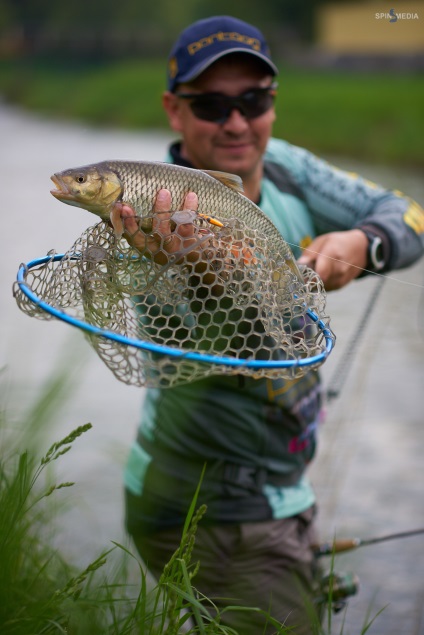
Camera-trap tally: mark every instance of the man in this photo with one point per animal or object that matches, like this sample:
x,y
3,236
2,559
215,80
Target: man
x,y
256,436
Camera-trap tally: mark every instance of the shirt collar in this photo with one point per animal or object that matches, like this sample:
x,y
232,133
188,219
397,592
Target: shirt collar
x,y
175,152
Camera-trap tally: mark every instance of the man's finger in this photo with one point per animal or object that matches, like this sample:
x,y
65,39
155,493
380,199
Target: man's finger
x,y
307,259
129,218
162,213
324,267
191,201
163,201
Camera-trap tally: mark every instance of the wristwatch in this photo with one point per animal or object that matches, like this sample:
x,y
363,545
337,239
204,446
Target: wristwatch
x,y
376,260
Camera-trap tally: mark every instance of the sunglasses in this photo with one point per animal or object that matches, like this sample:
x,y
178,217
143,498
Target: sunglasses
x,y
217,107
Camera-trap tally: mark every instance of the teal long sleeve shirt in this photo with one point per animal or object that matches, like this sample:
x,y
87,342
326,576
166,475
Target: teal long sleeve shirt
x,y
265,426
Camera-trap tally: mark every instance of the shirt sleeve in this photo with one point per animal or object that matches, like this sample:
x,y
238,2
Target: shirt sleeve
x,y
340,200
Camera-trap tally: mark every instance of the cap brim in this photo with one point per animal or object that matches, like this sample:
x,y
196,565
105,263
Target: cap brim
x,y
198,70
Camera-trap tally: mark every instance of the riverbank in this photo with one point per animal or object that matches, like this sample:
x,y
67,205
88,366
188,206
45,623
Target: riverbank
x,y
373,117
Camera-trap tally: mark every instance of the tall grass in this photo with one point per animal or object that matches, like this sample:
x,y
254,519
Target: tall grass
x,y
41,593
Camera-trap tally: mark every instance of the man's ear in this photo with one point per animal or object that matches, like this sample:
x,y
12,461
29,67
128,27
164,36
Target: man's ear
x,y
172,108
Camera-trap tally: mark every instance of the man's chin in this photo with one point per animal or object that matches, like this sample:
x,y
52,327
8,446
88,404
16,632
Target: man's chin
x,y
235,164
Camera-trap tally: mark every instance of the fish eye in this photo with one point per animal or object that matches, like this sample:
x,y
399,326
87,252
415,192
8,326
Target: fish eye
x,y
80,178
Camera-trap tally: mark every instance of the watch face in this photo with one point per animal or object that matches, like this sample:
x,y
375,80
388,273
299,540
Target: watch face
x,y
375,253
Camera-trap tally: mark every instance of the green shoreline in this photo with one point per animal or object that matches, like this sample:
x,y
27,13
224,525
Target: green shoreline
x,y
373,117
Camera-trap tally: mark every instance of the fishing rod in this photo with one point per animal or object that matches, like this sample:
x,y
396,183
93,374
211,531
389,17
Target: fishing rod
x,y
347,544
338,379
336,588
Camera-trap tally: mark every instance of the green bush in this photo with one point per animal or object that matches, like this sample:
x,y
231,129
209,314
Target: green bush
x,y
375,117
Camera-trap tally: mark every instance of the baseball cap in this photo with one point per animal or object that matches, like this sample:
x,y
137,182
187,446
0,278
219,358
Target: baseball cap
x,y
205,41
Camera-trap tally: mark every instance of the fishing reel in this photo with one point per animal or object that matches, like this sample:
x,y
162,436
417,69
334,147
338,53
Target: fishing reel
x,y
336,588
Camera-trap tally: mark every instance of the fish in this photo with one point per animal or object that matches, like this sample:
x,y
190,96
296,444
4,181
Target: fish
x,y
99,186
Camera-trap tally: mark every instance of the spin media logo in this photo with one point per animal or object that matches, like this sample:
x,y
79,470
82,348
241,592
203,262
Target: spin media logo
x,y
392,16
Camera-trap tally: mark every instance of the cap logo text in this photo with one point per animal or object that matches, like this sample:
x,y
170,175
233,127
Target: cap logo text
x,y
173,67
194,47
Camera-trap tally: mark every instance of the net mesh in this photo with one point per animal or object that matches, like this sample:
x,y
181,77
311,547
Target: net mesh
x,y
241,300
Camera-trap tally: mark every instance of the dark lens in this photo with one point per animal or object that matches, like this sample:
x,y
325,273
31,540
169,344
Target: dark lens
x,y
255,102
217,108
210,107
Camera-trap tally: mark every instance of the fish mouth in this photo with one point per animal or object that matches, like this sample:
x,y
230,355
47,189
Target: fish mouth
x,y
61,192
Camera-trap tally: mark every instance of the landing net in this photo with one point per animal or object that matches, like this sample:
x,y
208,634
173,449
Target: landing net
x,y
240,309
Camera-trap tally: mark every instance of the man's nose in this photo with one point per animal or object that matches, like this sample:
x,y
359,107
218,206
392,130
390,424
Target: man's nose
x,y
236,121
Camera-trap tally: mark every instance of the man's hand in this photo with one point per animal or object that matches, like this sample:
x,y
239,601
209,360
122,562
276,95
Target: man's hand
x,y
173,234
164,238
337,257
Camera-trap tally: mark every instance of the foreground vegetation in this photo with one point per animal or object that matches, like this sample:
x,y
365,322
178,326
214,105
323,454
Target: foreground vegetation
x,y
42,593
375,117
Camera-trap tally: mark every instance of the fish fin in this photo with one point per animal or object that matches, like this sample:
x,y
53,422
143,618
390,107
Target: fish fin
x,y
116,220
232,181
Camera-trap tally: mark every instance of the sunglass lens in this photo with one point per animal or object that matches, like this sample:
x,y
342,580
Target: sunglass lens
x,y
213,108
218,108
255,103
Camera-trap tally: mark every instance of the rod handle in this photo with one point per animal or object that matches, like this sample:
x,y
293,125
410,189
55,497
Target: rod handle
x,y
337,546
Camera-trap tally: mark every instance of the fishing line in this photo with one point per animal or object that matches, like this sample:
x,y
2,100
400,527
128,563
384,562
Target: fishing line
x,y
340,373
345,262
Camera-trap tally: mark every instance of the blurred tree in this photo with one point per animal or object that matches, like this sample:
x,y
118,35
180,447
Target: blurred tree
x,y
155,23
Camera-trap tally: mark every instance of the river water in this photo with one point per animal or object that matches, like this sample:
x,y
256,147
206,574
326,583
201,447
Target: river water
x,y
369,472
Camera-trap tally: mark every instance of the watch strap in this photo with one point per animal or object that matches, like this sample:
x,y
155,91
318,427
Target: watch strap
x,y
378,252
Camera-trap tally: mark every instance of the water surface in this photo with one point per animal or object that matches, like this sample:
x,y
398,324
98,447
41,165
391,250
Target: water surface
x,y
369,471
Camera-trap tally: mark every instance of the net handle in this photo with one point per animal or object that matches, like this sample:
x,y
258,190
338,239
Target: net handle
x,y
167,350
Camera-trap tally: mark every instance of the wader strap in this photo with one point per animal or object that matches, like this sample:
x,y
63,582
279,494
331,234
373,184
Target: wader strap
x,y
217,471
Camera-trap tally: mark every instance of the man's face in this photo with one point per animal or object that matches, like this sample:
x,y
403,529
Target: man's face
x,y
237,145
